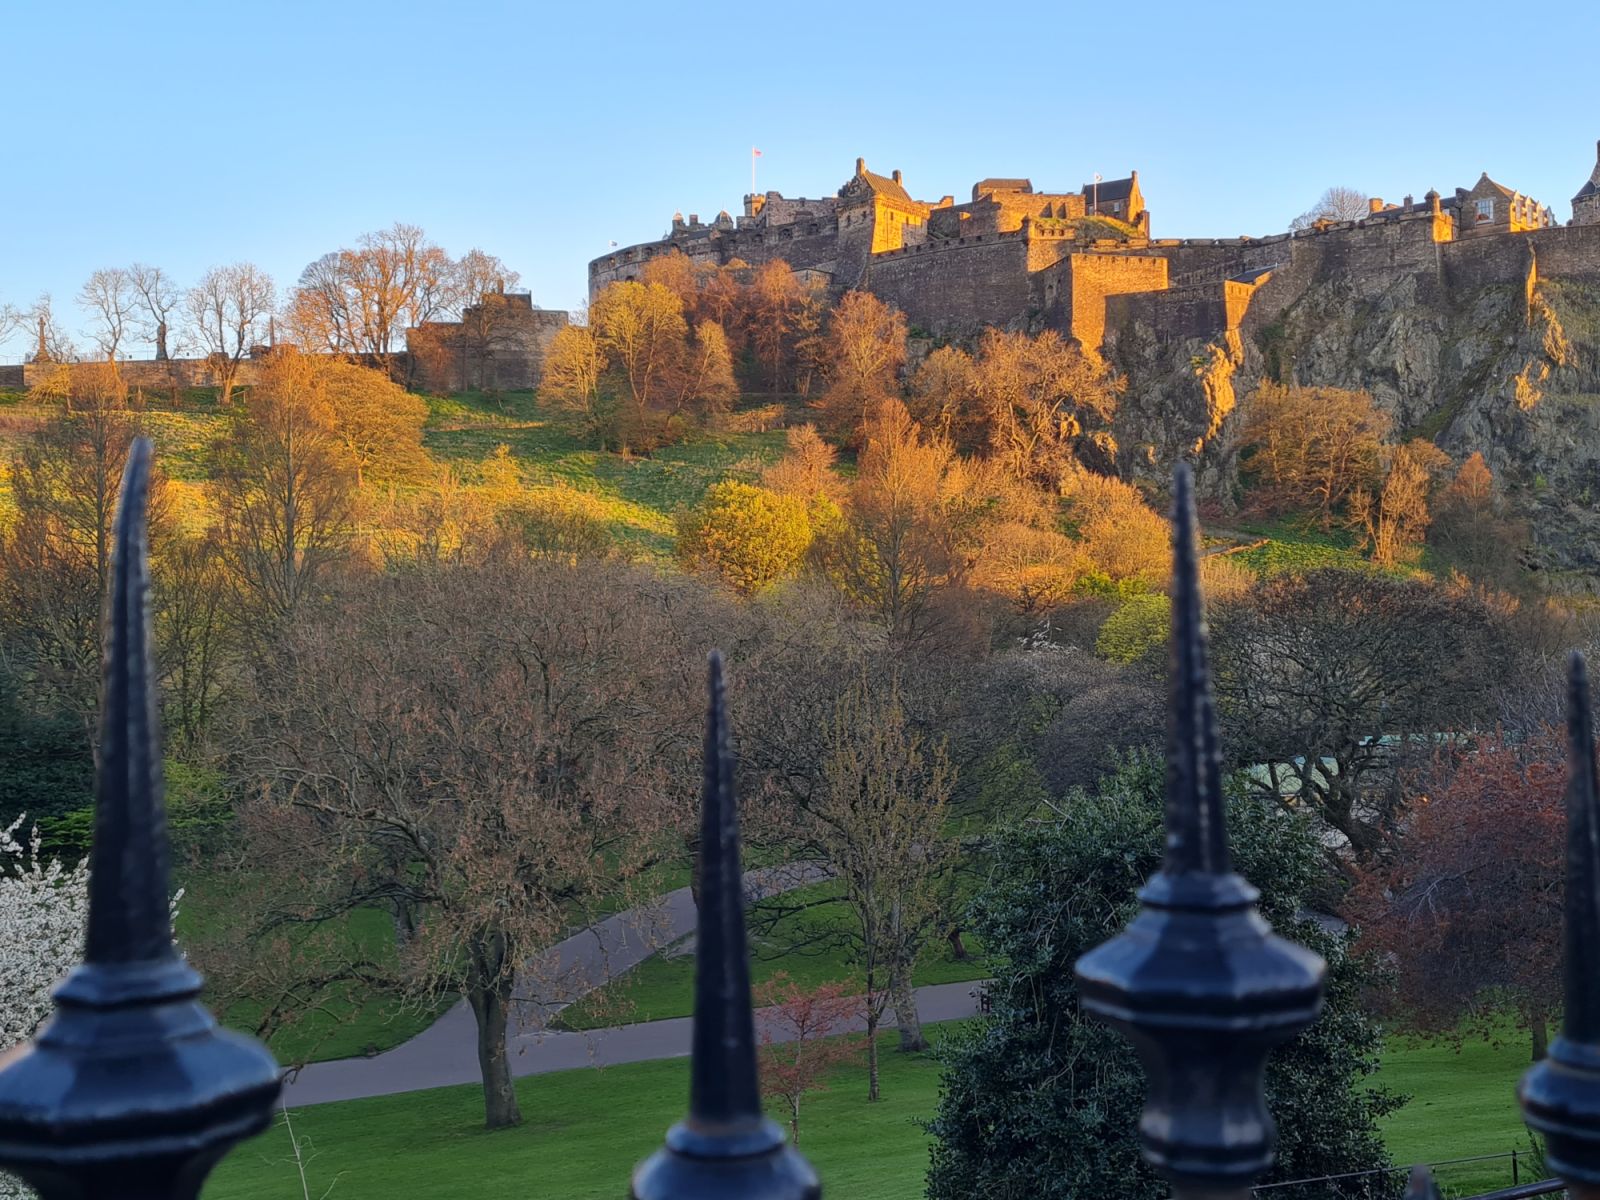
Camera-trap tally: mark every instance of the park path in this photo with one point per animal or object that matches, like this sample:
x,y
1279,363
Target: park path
x,y
447,1051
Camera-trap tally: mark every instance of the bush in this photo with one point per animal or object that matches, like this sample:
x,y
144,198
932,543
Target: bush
x,y
750,536
1041,1101
1136,628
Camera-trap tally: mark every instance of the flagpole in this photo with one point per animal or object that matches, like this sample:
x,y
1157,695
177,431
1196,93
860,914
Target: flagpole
x,y
752,172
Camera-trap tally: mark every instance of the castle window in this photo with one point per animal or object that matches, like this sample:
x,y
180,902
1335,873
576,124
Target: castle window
x,y
1485,210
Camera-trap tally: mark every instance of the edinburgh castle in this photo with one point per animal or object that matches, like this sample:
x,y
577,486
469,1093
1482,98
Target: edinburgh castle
x,y
1014,257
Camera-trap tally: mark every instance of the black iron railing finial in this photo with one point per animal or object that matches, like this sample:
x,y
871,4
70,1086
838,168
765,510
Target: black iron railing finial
x,y
726,1148
130,1090
1561,1095
1198,982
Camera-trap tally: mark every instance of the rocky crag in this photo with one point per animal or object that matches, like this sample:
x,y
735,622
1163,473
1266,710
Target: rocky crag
x,y
1488,345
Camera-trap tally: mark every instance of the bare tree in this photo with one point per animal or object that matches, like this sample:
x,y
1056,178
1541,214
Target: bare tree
x,y
498,750
158,296
228,311
1336,204
881,823
111,299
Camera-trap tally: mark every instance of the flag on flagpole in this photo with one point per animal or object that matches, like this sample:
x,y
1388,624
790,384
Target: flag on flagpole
x,y
754,153
1098,177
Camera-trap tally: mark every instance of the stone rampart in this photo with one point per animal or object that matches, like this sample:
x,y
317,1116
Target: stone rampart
x,y
957,287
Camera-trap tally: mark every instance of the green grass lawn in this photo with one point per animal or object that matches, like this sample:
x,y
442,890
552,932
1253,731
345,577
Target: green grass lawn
x,y
663,986
585,1129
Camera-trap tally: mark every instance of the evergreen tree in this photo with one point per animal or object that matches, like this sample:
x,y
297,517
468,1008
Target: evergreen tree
x,y
1042,1101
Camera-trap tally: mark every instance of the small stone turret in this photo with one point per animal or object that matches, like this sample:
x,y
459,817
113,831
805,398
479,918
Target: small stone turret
x,y
1586,204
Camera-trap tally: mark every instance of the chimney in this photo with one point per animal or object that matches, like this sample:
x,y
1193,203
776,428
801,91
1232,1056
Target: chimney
x,y
896,175
861,166
1408,202
1375,204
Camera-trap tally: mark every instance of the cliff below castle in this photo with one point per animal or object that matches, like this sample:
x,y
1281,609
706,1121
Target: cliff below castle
x,y
1490,345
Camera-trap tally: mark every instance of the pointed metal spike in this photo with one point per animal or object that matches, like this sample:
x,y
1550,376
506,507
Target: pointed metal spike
x,y
1198,982
129,919
723,1082
1582,1018
726,1146
1196,837
130,1089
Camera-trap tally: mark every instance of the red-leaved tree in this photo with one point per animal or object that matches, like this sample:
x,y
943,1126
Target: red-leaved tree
x,y
1469,909
800,1042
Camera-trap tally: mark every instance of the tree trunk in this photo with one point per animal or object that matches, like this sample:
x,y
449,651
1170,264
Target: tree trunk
x,y
489,1004
905,1012
1540,1029
872,1056
958,948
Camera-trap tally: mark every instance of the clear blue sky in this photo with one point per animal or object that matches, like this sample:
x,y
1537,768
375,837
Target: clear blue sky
x,y
194,134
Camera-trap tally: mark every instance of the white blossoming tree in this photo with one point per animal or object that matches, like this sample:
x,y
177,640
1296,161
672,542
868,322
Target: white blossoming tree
x,y
43,909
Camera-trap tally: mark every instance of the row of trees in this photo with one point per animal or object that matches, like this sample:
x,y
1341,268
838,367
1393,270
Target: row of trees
x,y
356,301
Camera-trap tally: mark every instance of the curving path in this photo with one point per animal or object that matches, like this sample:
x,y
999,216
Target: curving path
x,y
447,1051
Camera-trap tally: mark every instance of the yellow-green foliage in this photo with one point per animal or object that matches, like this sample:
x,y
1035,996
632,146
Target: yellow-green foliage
x,y
1136,628
750,536
560,522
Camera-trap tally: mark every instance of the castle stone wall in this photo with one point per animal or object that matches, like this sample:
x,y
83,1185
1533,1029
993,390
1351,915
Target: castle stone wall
x,y
1196,311
1093,278
956,287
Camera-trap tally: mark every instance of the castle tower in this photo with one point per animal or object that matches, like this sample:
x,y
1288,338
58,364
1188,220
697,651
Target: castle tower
x,y
1586,204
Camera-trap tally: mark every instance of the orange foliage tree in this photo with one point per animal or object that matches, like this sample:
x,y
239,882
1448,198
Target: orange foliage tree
x,y
801,1046
1469,907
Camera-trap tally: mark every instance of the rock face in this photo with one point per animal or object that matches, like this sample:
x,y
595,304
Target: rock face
x,y
1493,346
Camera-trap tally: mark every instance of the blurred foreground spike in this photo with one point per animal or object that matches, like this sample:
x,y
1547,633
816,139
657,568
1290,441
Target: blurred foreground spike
x,y
1561,1095
130,1089
1198,982
726,1148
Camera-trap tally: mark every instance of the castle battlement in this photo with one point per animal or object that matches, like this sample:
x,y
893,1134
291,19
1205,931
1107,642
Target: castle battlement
x,y
1016,257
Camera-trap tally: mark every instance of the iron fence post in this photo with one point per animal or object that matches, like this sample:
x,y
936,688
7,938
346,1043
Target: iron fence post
x,y
726,1148
1198,982
130,1090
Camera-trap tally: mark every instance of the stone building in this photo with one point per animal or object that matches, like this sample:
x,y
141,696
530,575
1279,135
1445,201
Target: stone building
x,y
499,344
1586,204
1489,207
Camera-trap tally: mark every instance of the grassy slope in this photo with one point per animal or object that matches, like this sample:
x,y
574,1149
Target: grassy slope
x,y
641,494
585,1129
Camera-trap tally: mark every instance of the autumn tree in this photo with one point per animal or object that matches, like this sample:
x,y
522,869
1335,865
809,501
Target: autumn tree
x,y
496,751
806,469
284,487
943,397
749,536
228,311
1469,908
1336,204
575,369
377,420
779,312
1394,519
112,300
801,1032
1040,397
1329,679
1310,444
1473,527
642,331
866,347
706,386
361,300
1125,542
880,822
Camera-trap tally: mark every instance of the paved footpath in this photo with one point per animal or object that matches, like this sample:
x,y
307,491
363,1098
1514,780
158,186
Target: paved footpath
x,y
447,1051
